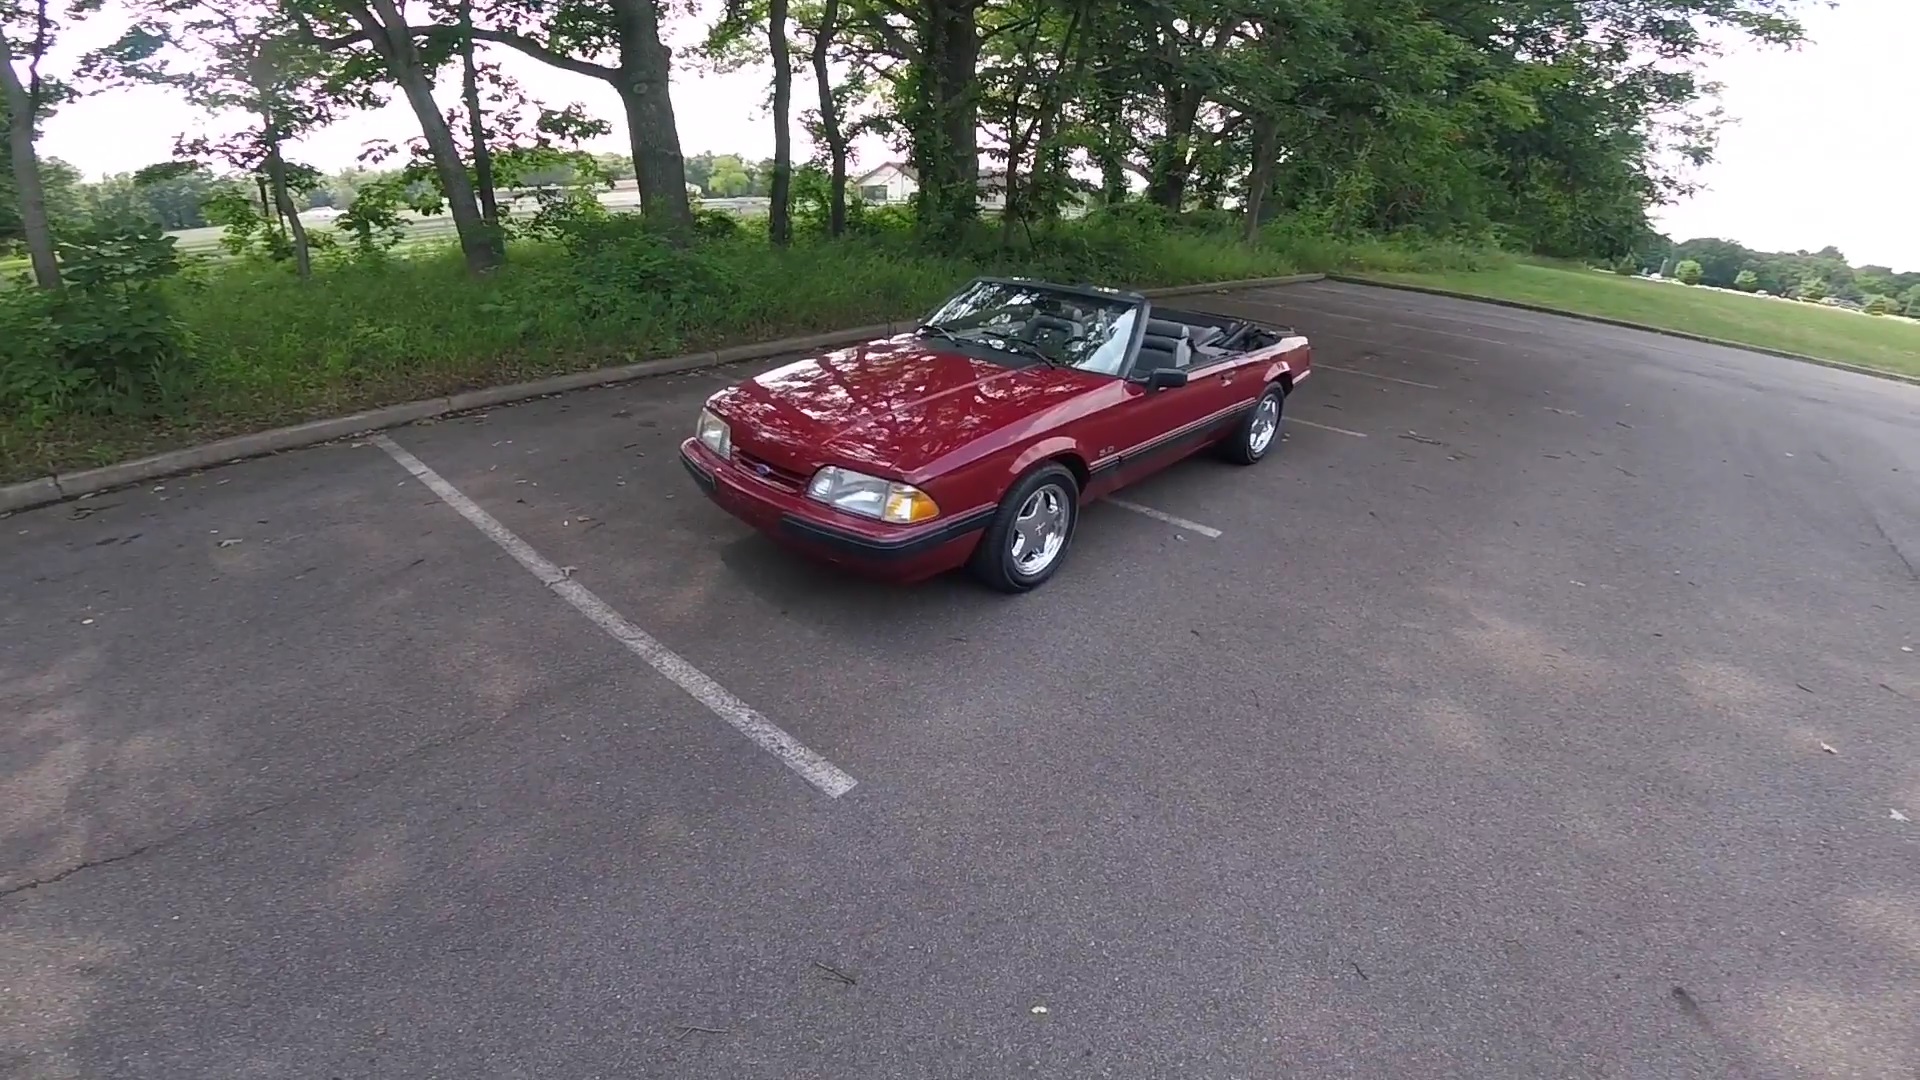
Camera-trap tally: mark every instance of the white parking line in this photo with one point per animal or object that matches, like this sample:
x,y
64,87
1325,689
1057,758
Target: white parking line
x,y
1327,427
1371,375
817,770
1207,531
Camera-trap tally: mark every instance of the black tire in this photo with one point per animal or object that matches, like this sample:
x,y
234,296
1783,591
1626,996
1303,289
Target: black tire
x,y
994,562
1244,446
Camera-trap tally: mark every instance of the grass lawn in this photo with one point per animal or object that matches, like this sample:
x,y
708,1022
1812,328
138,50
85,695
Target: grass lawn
x,y
1886,344
267,349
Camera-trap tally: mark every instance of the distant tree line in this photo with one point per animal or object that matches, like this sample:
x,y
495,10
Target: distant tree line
x,y
1547,125
1802,275
176,197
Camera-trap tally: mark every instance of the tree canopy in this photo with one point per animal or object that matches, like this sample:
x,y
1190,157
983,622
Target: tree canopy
x,y
1552,126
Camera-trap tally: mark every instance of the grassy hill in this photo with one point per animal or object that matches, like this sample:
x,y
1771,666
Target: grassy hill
x,y
1881,342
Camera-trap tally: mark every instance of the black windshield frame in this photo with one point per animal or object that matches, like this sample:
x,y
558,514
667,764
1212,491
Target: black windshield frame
x,y
1142,310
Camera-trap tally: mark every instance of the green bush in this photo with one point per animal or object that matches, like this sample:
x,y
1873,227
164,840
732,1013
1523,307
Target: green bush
x,y
235,345
108,341
715,225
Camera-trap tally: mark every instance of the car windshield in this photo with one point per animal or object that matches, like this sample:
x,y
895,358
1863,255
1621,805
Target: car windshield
x,y
1039,323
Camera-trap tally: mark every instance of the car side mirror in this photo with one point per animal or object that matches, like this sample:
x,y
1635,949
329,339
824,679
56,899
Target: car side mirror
x,y
1165,378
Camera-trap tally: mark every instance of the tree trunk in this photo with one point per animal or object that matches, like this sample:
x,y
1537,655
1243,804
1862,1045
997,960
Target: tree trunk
x,y
283,206
1044,176
1170,163
32,197
477,134
1016,148
1113,170
779,218
1048,165
1266,139
640,80
396,47
945,141
658,168
830,121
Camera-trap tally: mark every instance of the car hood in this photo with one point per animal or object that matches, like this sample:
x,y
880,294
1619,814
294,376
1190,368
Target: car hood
x,y
897,405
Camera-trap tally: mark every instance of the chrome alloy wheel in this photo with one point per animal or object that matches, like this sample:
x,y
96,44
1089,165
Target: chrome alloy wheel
x,y
1039,530
1266,421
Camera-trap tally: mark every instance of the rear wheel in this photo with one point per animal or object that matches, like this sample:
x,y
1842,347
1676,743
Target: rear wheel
x,y
1260,433
1028,539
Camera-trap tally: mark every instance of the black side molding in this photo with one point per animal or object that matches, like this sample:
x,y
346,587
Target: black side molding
x,y
700,475
866,547
1177,441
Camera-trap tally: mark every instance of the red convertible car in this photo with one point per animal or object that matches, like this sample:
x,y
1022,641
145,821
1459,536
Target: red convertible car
x,y
976,439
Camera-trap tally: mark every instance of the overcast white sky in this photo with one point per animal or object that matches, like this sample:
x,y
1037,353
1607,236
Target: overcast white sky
x,y
1823,150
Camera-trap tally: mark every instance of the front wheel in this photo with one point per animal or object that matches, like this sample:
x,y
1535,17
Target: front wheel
x,y
1260,432
1028,539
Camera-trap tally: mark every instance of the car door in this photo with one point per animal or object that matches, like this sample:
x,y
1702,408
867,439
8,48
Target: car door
x,y
1224,386
1146,430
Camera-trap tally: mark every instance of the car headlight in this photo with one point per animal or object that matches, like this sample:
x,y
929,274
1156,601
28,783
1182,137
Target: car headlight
x,y
714,434
870,496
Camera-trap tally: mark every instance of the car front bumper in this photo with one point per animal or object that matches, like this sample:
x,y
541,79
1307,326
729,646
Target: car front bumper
x,y
894,552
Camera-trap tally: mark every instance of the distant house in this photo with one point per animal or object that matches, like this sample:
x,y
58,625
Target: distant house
x,y
892,182
993,191
896,182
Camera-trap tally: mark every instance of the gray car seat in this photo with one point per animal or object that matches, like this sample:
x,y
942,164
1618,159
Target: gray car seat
x,y
1164,345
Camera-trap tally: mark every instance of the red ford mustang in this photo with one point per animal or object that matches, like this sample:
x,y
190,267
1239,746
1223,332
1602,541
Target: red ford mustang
x,y
976,439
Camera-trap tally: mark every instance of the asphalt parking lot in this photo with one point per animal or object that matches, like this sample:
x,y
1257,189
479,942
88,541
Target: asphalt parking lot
x,y
1547,707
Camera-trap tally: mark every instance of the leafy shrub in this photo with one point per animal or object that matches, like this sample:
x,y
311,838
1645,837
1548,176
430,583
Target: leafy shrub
x,y
879,221
715,225
1688,272
618,270
1135,213
565,212
373,223
108,341
1213,220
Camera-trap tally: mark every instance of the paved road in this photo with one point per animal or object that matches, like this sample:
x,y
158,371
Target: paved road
x,y
1484,740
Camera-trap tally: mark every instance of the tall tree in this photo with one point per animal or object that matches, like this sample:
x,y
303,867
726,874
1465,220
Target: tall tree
x,y
234,58
731,43
937,44
831,130
25,99
569,35
780,196
477,127
395,50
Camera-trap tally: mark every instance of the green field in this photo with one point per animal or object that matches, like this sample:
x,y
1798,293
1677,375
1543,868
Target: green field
x,y
267,349
1879,342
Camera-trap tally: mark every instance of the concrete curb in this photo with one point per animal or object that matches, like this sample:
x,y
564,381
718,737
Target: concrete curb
x,y
1232,286
45,490
1522,305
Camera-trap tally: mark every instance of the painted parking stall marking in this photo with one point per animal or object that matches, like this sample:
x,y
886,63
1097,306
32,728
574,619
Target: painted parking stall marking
x,y
1207,531
764,733
1319,366
1326,427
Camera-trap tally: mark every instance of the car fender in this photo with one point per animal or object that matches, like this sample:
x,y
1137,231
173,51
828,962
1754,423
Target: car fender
x,y
1052,446
1291,363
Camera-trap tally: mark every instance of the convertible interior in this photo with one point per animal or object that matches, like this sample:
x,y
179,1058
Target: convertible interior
x,y
1186,339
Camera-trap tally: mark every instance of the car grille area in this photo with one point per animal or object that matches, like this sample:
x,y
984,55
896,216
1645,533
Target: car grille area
x,y
767,472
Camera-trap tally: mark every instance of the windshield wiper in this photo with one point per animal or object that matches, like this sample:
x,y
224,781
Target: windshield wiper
x,y
1021,345
939,331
